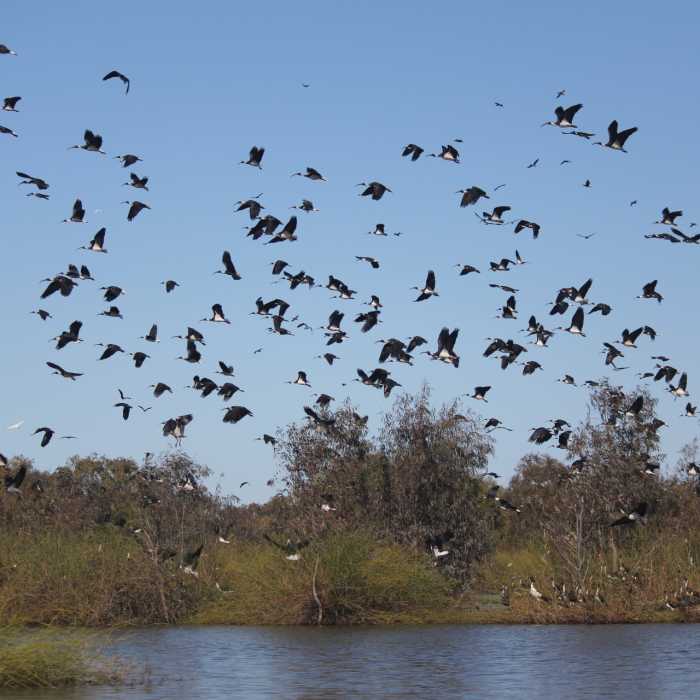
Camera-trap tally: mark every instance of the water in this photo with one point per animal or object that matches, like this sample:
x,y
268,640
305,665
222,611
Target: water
x,y
643,661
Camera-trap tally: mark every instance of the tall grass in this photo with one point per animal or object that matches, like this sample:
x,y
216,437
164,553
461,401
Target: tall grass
x,y
650,570
51,658
80,578
358,580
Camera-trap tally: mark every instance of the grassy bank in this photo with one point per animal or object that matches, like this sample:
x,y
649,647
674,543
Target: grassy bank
x,y
353,580
51,658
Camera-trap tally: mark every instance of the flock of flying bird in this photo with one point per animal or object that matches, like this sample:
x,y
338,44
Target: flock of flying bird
x,y
508,352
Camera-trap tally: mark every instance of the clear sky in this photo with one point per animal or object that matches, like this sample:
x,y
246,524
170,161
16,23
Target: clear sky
x,y
210,80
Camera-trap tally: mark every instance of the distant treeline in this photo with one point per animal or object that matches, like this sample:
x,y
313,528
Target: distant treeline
x,y
400,527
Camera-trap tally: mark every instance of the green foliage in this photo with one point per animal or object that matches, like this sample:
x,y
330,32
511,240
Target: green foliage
x,y
419,478
358,580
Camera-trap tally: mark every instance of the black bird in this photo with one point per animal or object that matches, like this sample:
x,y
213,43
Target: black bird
x,y
152,336
564,440
290,549
301,380
370,320
4,50
62,372
218,315
322,422
236,413
540,435
97,243
534,165
78,214
634,516
138,182
64,284
225,369
528,224
287,233
466,269
193,355
603,308
112,292
12,483
176,427
112,313
376,189
445,350
5,130
667,217
565,117
93,142
252,206
312,175
495,217
479,393
128,160
495,424
159,389
576,323
616,140
170,285
123,78
139,358
192,334
254,158
634,409
43,314
125,409
413,151
278,266
507,505
48,434
227,390
649,292
416,342
429,287
328,357
437,542
448,153
110,349
471,196
229,268
306,205
135,208
41,184
268,439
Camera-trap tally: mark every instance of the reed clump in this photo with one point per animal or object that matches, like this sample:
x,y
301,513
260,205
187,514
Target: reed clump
x,y
50,658
356,579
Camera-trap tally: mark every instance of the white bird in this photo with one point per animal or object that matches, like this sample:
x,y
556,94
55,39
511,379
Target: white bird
x,y
16,425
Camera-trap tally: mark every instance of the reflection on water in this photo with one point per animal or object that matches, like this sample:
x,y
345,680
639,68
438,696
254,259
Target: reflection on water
x,y
206,663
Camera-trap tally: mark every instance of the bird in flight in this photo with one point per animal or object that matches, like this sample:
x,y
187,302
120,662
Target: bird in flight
x,y
580,235
560,94
123,78
16,425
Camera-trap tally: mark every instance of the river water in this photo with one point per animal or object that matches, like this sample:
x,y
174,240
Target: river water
x,y
490,661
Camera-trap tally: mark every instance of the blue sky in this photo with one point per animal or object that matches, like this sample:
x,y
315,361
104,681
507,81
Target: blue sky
x,y
209,81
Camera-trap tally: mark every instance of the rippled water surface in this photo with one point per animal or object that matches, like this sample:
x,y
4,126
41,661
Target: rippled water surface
x,y
634,661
